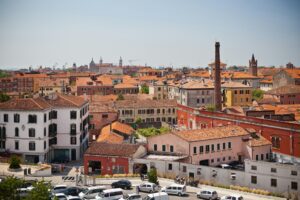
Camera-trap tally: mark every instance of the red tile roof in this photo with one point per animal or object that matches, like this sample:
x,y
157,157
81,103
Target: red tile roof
x,y
107,149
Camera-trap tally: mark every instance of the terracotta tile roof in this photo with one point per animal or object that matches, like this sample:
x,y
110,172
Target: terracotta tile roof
x,y
284,109
211,133
148,78
100,107
267,71
66,101
109,137
259,141
241,75
295,73
204,74
287,89
198,85
232,84
148,69
52,82
25,104
123,128
146,103
21,75
269,99
107,149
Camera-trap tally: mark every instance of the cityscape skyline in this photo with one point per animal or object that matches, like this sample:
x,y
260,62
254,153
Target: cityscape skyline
x,y
169,33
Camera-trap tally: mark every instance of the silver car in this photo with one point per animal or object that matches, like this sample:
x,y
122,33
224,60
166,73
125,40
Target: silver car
x,y
207,194
148,187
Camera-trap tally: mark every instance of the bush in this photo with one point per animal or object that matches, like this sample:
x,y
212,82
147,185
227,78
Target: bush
x,y
152,176
14,162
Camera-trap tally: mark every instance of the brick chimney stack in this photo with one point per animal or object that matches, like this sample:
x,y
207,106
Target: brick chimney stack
x,y
217,78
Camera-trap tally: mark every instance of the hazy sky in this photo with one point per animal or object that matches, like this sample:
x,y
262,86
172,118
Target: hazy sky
x,y
156,32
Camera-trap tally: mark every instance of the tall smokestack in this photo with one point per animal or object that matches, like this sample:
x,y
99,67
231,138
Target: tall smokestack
x,y
217,78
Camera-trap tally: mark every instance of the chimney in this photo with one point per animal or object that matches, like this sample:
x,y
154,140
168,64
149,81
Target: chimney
x,y
217,78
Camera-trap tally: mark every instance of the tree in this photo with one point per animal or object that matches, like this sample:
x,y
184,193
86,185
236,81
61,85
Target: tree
x,y
40,191
120,97
4,97
152,175
14,162
8,188
257,94
145,89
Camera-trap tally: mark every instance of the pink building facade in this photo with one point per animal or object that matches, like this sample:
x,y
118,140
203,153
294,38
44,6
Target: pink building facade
x,y
204,147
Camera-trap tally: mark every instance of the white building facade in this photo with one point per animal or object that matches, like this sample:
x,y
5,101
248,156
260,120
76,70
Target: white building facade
x,y
45,130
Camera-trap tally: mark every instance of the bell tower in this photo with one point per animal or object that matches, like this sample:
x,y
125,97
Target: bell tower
x,y
253,66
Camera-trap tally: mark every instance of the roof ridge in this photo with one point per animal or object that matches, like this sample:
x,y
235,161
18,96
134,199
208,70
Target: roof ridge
x,y
67,99
36,103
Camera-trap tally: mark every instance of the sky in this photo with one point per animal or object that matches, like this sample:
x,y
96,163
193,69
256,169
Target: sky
x,y
153,32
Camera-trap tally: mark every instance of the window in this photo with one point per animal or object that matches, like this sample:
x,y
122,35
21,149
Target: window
x,y
224,145
201,149
262,157
16,145
171,148
256,157
212,160
294,185
218,147
31,132
195,150
73,114
206,148
104,116
155,147
273,170
45,117
184,169
229,145
224,158
170,166
254,179
53,114
73,129
73,140
275,142
32,119
229,157
163,147
16,118
31,146
5,116
45,144
294,173
212,148
45,132
253,167
267,156
16,132
273,182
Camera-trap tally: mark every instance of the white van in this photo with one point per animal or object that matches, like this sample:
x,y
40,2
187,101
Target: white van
x,y
148,187
91,192
157,196
175,189
110,194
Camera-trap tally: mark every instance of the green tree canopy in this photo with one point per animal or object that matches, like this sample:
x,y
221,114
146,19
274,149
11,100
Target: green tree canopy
x,y
257,94
145,89
4,97
14,162
40,191
147,132
8,188
152,175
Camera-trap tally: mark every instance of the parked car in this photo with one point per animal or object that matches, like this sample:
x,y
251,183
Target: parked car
x,y
175,189
58,188
110,194
124,184
232,197
157,196
74,198
71,191
207,194
91,192
59,196
148,187
131,197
